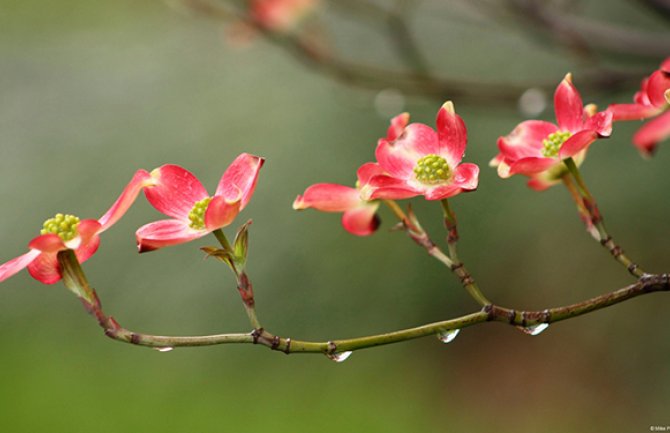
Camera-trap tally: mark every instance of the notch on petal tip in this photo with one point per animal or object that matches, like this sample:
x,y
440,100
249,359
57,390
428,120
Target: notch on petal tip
x,y
591,109
298,203
449,106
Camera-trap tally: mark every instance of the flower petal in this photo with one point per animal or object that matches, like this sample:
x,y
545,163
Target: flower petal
x,y
241,175
362,220
385,187
87,239
399,158
141,179
398,124
539,183
48,243
532,165
45,268
658,84
174,191
525,140
15,265
665,65
221,212
452,134
328,197
601,123
87,249
366,171
577,143
568,106
632,111
443,191
647,137
164,233
466,176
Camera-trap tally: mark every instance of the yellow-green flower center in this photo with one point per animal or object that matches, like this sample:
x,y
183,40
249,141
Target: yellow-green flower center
x,y
65,226
552,144
432,169
197,214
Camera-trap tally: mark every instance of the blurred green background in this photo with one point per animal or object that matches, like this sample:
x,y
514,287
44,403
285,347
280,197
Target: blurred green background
x,y
92,91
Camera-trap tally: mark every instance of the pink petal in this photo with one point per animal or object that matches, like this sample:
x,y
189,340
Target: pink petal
x,y
174,191
665,65
15,265
540,183
362,220
398,124
328,197
658,84
642,97
466,176
632,111
577,143
399,158
87,229
45,268
385,187
443,191
647,137
48,243
532,165
568,106
87,241
391,193
452,134
601,123
525,140
366,171
141,179
87,249
164,233
221,212
241,175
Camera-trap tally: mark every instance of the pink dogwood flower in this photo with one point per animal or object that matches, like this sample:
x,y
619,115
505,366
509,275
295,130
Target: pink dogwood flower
x,y
177,193
280,15
417,160
536,148
359,213
652,100
64,232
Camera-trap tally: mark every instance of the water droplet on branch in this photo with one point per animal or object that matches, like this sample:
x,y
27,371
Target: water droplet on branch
x,y
533,330
339,356
164,349
448,336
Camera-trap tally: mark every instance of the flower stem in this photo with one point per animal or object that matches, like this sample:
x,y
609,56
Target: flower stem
x,y
588,209
419,235
244,286
223,240
459,267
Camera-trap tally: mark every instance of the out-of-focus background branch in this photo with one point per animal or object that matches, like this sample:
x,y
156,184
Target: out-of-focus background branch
x,y
601,51
92,91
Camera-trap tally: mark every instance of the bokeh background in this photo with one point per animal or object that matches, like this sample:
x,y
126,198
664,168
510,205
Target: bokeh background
x,y
92,91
